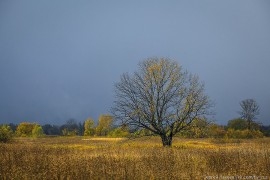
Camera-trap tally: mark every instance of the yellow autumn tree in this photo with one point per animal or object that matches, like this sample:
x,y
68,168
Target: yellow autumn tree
x,y
89,127
104,125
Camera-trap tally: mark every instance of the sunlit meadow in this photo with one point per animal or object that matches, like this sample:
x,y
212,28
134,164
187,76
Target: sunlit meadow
x,y
142,158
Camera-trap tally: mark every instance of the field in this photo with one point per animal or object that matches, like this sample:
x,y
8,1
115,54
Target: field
x,y
142,158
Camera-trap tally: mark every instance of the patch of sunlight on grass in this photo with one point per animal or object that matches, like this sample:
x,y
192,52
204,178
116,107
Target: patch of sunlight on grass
x,y
73,146
196,144
103,139
142,145
142,158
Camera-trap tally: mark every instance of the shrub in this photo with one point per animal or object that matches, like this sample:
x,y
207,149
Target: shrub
x,y
66,132
70,128
199,128
216,131
37,131
142,132
89,127
118,132
24,129
5,133
27,129
265,130
244,134
237,124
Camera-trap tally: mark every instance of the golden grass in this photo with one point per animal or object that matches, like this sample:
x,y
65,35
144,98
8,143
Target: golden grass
x,y
103,139
144,158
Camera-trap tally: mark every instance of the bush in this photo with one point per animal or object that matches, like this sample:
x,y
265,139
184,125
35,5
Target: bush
x,y
199,128
238,124
89,127
5,133
37,131
265,130
216,131
66,132
118,132
142,132
244,134
24,129
27,129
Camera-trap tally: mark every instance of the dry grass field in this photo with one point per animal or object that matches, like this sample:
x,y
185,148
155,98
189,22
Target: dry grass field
x,y
143,158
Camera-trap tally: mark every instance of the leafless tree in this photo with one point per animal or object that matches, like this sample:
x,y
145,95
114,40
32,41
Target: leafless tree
x,y
250,109
160,97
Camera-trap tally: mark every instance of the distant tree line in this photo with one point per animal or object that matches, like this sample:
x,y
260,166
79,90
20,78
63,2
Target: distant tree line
x,y
235,128
104,127
199,128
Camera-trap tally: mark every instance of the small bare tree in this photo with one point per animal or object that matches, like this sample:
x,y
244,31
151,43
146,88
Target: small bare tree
x,y
160,97
250,109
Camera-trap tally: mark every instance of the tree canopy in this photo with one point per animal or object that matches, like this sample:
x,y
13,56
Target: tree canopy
x,y
249,111
160,97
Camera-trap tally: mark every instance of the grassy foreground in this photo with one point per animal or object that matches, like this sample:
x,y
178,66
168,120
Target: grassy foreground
x,y
144,158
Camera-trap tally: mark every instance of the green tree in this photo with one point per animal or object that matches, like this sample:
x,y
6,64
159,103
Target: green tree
x,y
5,133
80,129
199,128
12,126
70,128
121,131
216,131
24,129
265,130
237,124
104,125
160,97
51,129
244,134
89,127
37,131
65,132
142,132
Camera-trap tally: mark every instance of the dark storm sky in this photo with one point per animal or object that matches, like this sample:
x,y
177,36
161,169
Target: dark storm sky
x,y
60,59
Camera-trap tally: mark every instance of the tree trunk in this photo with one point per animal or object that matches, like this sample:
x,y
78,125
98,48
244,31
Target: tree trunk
x,y
249,124
166,140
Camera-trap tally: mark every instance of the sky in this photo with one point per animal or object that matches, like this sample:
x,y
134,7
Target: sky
x,y
60,59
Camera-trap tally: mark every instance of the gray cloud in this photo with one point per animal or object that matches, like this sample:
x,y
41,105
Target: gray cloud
x,y
59,59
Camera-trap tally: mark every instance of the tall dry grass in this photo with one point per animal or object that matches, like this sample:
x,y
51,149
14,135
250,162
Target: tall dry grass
x,y
74,158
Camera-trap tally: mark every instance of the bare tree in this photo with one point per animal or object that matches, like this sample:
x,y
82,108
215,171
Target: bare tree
x,y
160,97
250,109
